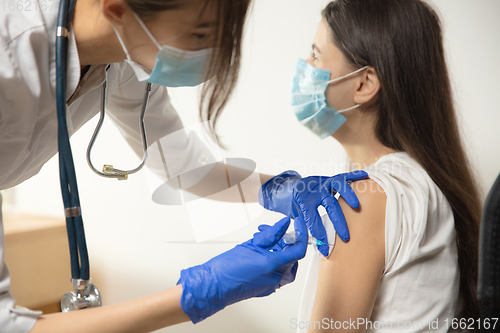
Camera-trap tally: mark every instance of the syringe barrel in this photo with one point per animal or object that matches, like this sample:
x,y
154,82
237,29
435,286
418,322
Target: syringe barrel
x,y
291,237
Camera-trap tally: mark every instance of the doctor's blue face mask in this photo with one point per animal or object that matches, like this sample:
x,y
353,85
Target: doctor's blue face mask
x,y
173,67
309,101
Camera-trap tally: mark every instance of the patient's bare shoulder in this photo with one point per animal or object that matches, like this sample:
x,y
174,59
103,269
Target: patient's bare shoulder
x,y
366,224
349,279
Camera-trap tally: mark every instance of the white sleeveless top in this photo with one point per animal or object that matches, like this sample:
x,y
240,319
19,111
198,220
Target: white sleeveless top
x,y
420,283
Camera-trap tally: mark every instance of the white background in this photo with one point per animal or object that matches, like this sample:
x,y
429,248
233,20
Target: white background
x,y
128,235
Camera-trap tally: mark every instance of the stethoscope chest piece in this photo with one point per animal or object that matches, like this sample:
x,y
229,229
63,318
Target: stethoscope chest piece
x,y
86,296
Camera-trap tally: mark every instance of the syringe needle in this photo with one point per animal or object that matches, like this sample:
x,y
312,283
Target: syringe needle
x,y
314,241
291,237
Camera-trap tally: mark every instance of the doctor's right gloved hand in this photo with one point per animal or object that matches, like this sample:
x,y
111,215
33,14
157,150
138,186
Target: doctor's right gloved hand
x,y
255,268
294,196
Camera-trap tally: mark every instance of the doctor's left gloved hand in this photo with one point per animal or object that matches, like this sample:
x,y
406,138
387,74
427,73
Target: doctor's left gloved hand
x,y
255,268
290,194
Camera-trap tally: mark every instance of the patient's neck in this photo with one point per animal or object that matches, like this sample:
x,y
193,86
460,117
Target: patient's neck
x,y
359,140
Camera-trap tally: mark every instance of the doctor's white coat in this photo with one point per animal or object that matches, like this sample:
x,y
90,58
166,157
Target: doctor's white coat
x,y
28,123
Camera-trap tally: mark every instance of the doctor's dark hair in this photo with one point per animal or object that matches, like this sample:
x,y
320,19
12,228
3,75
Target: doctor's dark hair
x,y
224,67
402,40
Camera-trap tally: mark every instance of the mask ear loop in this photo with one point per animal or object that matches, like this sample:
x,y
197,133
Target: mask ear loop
x,y
351,108
146,30
178,52
346,76
122,43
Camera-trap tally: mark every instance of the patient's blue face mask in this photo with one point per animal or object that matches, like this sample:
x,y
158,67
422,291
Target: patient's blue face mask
x,y
309,101
174,67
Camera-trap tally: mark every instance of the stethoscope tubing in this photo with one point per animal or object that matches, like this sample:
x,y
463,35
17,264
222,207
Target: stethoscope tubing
x,y
116,173
80,268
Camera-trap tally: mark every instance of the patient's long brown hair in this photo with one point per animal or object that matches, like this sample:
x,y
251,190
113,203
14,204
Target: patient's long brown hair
x,y
402,40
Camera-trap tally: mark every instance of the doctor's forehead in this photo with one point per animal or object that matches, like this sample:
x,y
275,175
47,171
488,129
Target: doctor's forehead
x,y
197,13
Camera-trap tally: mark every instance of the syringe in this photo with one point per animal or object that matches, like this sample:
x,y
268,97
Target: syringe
x,y
291,237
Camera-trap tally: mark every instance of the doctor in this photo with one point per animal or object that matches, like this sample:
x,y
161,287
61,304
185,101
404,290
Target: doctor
x,y
164,42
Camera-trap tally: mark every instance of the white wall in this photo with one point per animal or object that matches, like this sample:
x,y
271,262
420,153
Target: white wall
x,y
128,234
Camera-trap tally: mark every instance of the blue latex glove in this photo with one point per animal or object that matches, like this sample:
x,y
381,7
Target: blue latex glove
x,y
294,196
255,268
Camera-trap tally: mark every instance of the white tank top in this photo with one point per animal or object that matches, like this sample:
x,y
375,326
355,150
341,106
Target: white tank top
x,y
420,283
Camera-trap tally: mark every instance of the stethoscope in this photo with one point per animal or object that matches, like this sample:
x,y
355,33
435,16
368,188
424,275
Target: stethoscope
x,y
86,294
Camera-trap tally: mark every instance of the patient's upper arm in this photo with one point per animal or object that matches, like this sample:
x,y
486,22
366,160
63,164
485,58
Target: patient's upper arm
x,y
349,279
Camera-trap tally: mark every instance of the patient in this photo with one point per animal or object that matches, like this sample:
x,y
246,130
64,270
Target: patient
x,y
412,257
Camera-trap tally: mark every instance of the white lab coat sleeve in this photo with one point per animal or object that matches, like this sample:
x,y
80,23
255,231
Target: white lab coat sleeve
x,y
12,319
124,107
21,91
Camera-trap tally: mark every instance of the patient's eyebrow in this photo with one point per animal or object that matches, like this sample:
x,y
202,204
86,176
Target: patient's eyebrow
x,y
314,47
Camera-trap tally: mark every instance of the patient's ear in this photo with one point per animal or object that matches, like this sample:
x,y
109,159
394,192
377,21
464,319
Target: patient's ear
x,y
368,86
